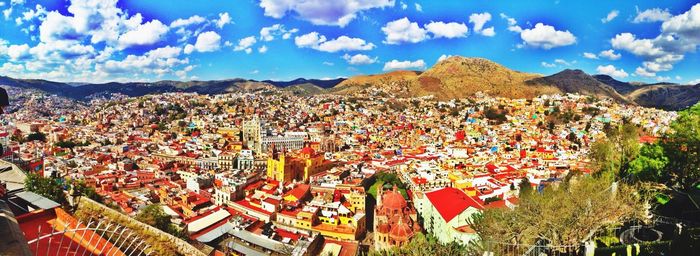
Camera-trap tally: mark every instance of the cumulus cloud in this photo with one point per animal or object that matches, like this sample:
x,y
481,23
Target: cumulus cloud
x,y
245,43
359,59
224,19
319,42
157,62
403,31
447,30
18,52
193,20
262,49
610,54
651,15
419,8
144,34
611,16
479,19
208,42
322,12
395,64
547,37
679,36
612,71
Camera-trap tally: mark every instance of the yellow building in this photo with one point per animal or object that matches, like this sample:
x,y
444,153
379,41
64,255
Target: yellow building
x,y
288,169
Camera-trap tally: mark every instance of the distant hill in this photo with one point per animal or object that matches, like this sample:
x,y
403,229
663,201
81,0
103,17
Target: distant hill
x,y
666,96
325,84
454,77
577,81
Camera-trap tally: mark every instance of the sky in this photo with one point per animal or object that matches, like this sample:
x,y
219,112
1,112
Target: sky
x,y
138,40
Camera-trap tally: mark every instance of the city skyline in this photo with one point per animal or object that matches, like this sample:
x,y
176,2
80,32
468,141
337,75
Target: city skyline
x,y
101,41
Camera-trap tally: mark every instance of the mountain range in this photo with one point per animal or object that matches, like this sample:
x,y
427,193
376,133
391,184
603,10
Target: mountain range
x,y
454,77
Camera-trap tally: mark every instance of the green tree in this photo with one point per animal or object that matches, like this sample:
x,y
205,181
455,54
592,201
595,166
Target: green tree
x,y
47,187
683,148
36,136
650,164
562,216
155,216
612,155
525,187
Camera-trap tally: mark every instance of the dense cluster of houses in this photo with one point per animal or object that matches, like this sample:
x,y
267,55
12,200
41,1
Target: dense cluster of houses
x,y
282,174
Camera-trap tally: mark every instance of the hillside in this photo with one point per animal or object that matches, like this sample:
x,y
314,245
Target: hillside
x,y
454,77
577,81
81,91
666,96
324,84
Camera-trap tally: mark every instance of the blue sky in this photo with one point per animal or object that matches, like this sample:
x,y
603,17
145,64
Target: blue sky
x,y
110,40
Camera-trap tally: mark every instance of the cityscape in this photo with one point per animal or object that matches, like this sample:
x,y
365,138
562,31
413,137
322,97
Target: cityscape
x,y
305,127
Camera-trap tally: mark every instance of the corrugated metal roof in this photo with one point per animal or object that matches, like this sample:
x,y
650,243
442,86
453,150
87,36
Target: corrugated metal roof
x,y
37,200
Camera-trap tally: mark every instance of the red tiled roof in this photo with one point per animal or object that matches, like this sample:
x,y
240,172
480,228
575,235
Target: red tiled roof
x,y
450,202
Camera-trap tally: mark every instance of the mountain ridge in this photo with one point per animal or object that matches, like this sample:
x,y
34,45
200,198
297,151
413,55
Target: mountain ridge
x,y
454,77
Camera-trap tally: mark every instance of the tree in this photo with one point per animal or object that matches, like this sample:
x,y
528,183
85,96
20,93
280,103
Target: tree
x,y
612,155
683,148
650,164
525,187
82,189
562,216
36,136
155,216
47,187
423,245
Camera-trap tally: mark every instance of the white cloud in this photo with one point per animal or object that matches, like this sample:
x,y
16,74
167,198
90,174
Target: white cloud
x,y
611,16
319,42
403,31
322,12
479,19
189,48
262,49
395,64
309,40
547,37
447,30
145,34
663,78
548,65
512,23
612,71
245,43
158,62
224,19
488,32
694,82
610,54
17,52
328,63
359,59
443,57
404,6
208,42
419,8
652,15
269,33
193,20
643,72
589,55
563,62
